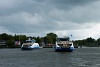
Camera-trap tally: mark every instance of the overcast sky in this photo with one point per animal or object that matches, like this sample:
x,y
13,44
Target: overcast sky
x,y
81,18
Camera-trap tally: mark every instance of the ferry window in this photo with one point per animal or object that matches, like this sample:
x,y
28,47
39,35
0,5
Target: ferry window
x,y
70,44
63,39
28,41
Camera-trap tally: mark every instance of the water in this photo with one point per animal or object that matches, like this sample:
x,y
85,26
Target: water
x,y
47,57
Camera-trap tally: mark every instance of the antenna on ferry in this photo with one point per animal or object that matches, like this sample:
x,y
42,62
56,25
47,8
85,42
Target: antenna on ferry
x,y
71,35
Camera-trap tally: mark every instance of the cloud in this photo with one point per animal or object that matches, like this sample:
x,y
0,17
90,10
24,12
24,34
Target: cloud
x,y
7,3
19,21
38,17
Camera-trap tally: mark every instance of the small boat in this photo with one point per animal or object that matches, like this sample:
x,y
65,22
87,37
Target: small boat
x,y
64,45
29,44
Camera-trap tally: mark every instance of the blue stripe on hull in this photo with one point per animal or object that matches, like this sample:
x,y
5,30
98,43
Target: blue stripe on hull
x,y
36,47
63,50
26,48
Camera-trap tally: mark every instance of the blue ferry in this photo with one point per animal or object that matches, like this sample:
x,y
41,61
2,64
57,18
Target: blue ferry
x,y
29,44
64,45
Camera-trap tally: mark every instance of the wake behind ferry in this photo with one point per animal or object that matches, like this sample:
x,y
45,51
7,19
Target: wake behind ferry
x,y
29,44
63,44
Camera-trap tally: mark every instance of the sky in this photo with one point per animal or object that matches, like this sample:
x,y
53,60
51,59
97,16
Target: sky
x,y
79,18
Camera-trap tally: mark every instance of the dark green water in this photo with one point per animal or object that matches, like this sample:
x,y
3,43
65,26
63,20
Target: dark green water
x,y
47,57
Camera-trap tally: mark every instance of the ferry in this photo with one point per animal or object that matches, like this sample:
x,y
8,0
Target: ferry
x,y
64,45
29,44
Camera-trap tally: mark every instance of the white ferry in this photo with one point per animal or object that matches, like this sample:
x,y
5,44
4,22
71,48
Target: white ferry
x,y
29,44
63,44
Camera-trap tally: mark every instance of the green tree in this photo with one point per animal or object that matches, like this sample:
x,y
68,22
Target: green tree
x,y
49,39
20,38
10,43
5,36
90,40
52,37
98,41
38,39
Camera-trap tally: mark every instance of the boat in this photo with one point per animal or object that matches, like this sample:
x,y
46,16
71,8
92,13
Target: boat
x,y
29,44
64,45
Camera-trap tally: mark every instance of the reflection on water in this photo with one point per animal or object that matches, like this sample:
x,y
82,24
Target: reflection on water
x,y
47,57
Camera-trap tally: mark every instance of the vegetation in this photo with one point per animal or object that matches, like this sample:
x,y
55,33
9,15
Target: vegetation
x,y
89,42
50,38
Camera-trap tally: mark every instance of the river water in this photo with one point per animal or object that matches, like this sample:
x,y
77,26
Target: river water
x,y
47,57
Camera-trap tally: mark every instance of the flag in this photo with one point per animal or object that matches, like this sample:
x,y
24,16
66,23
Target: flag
x,y
71,35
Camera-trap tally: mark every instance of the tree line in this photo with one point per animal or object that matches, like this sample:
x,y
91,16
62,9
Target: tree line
x,y
50,38
90,42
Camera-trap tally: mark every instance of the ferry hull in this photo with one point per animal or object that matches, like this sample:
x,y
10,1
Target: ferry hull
x,y
29,48
24,48
64,49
